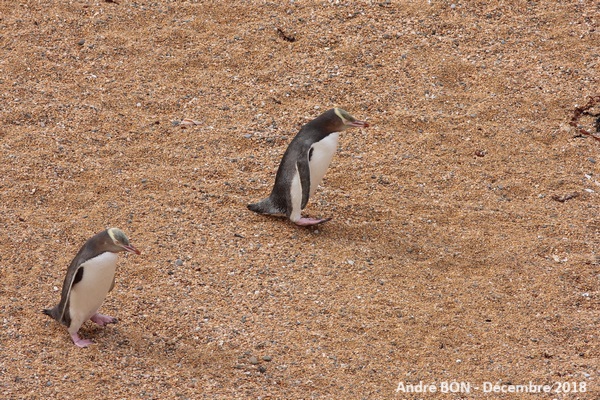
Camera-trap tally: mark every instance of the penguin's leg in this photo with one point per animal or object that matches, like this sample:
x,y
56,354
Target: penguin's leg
x,y
296,196
79,342
73,329
103,320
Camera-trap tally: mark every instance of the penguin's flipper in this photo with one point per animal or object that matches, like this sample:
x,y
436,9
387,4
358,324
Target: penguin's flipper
x,y
74,275
304,172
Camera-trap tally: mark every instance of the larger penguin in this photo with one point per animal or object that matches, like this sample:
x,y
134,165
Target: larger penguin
x,y
90,276
303,166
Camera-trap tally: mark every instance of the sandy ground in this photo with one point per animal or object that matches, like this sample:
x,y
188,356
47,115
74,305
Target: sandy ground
x,y
464,240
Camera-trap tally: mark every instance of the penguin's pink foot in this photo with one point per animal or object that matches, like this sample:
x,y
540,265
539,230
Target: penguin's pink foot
x,y
311,221
79,342
103,320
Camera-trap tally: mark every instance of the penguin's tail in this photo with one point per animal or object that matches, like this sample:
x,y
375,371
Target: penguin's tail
x,y
265,206
50,312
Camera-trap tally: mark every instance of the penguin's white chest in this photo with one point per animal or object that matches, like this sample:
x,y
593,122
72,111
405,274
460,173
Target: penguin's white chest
x,y
87,295
322,154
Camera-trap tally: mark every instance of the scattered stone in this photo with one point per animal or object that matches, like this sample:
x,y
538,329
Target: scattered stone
x,y
253,360
565,197
267,358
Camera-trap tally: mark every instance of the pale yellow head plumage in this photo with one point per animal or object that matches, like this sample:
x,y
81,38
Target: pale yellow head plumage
x,y
344,116
120,239
348,120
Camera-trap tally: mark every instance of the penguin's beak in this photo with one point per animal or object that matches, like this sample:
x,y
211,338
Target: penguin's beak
x,y
358,124
131,249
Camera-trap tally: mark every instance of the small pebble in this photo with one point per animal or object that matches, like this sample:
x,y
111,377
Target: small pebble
x,y
179,262
81,42
262,369
253,360
267,358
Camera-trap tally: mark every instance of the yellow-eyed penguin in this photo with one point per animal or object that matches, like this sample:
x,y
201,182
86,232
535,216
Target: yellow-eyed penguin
x,y
90,276
303,166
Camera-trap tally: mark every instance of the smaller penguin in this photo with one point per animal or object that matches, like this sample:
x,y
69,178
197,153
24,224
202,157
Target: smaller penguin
x,y
303,166
90,276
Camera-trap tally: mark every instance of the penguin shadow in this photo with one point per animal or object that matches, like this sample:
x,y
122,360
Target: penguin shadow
x,y
159,348
59,337
358,230
132,343
285,222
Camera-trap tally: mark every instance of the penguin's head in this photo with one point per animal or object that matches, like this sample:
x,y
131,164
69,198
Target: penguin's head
x,y
348,121
120,241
